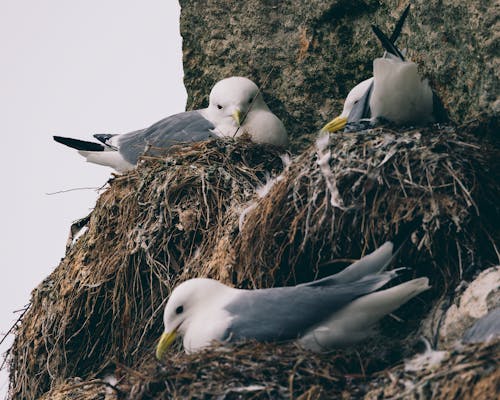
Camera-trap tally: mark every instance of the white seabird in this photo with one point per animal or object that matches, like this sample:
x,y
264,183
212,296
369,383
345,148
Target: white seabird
x,y
396,92
236,107
333,311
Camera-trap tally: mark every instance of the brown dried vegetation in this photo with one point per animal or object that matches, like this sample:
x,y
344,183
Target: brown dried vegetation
x,y
178,217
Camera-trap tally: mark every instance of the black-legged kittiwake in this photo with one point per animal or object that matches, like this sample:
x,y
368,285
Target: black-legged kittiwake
x,y
330,312
396,92
236,107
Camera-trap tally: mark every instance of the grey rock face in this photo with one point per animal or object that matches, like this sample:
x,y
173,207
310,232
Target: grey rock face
x,y
308,55
478,300
467,315
485,329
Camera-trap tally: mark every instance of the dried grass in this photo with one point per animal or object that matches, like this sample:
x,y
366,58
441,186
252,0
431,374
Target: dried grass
x,y
470,372
438,187
260,371
178,217
105,299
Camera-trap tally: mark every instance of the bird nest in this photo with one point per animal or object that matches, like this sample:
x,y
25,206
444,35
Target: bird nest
x,y
434,189
465,372
104,301
264,371
195,213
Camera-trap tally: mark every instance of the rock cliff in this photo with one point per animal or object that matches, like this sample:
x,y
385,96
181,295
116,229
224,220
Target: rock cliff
x,y
313,52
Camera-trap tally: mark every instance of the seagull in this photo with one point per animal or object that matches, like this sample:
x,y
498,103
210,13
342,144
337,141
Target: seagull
x,y
396,92
236,107
334,311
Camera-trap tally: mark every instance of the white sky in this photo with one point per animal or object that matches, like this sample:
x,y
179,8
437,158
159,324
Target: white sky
x,y
72,69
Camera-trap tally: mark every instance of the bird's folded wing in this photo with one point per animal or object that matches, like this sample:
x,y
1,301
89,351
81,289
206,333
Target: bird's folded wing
x,y
286,313
189,126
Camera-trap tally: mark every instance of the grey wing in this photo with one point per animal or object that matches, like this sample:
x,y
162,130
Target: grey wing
x,y
189,126
286,313
372,263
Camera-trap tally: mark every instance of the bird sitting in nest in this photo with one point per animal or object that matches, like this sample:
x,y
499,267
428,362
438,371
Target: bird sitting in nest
x,y
334,311
396,92
236,107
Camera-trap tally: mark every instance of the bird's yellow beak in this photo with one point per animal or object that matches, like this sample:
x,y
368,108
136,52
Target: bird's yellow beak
x,y
237,116
166,340
335,125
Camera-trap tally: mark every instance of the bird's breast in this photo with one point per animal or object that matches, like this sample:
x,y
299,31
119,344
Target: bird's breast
x,y
206,328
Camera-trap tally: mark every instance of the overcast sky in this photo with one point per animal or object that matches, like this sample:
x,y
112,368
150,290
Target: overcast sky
x,y
72,69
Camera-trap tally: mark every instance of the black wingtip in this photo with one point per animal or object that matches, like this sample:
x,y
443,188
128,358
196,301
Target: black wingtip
x,y
386,43
399,25
79,144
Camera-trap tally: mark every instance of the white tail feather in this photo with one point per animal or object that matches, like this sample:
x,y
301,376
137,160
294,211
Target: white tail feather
x,y
399,94
111,159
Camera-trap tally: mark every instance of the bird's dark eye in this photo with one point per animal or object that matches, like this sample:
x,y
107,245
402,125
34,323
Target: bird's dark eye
x,y
249,101
179,310
219,106
356,102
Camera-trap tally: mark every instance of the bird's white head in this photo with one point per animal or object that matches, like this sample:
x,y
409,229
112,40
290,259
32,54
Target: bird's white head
x,y
232,98
186,301
354,96
356,93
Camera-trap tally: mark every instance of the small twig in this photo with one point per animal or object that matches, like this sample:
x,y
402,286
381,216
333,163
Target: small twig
x,y
149,323
203,191
292,375
24,310
494,245
361,365
75,189
92,382
4,337
460,267
469,198
71,190
460,143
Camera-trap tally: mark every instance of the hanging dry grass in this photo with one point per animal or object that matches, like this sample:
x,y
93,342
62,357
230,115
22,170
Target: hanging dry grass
x,y
105,299
437,187
178,217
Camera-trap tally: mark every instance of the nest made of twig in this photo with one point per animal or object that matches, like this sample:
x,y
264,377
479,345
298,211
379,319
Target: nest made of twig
x,y
466,372
195,213
255,370
105,299
437,187
266,371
